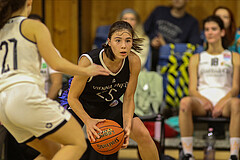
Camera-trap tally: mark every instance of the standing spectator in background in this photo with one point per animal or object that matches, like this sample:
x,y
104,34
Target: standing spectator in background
x,y
232,35
171,25
53,79
132,17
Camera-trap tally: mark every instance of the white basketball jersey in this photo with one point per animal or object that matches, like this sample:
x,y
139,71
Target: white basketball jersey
x,y
19,57
215,74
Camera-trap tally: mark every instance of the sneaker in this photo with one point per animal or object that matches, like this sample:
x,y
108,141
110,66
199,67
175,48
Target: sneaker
x,y
188,157
233,157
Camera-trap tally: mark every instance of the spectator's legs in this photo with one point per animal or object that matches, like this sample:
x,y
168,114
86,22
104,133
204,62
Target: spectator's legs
x,y
232,109
188,107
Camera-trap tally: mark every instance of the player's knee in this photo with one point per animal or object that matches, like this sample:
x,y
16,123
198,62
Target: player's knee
x,y
82,145
143,136
49,152
185,104
235,103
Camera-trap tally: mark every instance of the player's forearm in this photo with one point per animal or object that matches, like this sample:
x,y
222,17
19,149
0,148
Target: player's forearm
x,y
69,68
53,91
78,109
128,111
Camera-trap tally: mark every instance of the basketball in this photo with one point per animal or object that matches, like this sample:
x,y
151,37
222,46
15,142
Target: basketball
x,y
111,138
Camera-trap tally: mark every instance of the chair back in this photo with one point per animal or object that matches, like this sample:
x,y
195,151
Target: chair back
x,y
173,66
101,36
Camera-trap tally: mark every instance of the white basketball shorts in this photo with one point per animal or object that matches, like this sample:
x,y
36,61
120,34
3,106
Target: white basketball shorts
x,y
27,113
214,94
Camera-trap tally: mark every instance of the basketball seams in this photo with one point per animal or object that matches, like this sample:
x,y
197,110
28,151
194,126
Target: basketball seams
x,y
108,138
112,148
110,126
111,138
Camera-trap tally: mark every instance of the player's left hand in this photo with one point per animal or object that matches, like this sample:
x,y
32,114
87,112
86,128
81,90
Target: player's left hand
x,y
218,108
217,111
126,137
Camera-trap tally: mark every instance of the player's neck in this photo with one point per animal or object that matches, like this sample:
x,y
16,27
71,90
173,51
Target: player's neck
x,y
20,13
215,50
113,66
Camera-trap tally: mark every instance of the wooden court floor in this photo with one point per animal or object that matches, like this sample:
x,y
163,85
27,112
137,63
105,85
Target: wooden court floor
x,y
131,154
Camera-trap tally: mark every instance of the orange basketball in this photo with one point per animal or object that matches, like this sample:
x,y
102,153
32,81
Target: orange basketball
x,y
111,138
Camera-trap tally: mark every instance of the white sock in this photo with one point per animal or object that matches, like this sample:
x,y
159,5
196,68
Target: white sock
x,y
234,145
187,145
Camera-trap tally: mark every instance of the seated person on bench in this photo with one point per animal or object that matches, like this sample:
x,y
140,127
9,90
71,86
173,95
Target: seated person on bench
x,y
213,87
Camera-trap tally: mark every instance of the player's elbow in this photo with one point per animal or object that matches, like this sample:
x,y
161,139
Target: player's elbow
x,y
57,67
235,92
71,99
191,91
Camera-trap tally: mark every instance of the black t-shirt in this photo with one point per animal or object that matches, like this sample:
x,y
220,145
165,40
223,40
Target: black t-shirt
x,y
174,30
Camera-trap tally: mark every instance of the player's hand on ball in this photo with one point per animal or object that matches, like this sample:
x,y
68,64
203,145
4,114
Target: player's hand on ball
x,y
111,138
92,129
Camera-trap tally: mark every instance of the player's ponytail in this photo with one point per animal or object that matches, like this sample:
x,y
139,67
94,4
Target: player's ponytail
x,y
7,7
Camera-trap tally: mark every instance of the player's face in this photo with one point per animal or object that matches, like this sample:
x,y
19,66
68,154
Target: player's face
x,y
121,43
225,16
130,18
213,32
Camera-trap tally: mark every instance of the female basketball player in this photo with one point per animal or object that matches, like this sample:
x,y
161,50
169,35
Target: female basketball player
x,y
24,109
94,99
213,87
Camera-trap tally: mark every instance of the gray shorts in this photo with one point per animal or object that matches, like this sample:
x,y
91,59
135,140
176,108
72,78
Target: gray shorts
x,y
27,113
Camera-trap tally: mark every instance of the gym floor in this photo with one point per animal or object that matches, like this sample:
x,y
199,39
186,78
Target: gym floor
x,y
131,154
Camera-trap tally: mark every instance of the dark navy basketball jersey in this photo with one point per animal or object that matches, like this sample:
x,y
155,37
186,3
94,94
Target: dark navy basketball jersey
x,y
105,90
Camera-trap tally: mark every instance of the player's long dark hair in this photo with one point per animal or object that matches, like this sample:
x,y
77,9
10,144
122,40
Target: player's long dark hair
x,y
231,31
7,7
220,23
118,26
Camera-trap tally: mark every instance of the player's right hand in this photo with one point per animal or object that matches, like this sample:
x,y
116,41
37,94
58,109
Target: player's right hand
x,y
208,106
92,129
94,70
126,137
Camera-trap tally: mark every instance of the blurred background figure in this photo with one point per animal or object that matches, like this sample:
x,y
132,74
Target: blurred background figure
x,y
132,17
232,34
208,95
171,25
